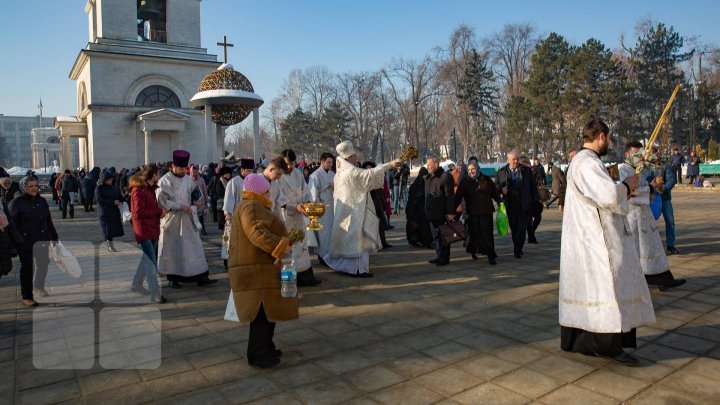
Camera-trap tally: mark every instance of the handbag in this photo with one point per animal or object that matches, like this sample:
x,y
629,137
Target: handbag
x,y
451,232
125,212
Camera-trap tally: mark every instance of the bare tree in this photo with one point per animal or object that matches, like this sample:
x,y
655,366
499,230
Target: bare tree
x,y
353,91
453,68
510,50
412,82
318,89
292,94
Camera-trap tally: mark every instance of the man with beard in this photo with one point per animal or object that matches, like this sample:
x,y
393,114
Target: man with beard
x,y
321,186
180,252
233,191
355,225
288,195
645,233
603,295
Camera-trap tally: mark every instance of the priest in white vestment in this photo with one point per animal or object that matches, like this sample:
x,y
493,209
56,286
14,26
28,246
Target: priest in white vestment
x,y
234,188
646,235
603,295
180,251
288,194
321,187
355,230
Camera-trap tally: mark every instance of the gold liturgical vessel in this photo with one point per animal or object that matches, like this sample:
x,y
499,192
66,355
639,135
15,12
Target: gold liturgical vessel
x,y
314,211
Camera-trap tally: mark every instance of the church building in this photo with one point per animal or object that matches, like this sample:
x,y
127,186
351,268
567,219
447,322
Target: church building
x,y
134,80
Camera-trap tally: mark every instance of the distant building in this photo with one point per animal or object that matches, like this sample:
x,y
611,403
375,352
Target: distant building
x,y
16,134
46,148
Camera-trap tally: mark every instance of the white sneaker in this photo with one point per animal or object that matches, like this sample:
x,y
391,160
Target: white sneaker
x,y
40,292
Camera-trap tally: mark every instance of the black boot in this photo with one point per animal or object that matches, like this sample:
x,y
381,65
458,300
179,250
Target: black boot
x,y
307,278
111,247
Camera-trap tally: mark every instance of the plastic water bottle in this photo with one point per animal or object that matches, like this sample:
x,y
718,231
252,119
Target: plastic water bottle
x,y
288,277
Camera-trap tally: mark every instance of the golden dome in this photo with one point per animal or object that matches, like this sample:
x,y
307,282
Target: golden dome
x,y
223,79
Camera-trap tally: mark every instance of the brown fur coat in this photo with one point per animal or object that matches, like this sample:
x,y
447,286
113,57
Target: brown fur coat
x,y
258,239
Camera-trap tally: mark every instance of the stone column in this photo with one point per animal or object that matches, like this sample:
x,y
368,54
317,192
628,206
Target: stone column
x,y
82,153
219,143
256,135
209,134
148,145
65,156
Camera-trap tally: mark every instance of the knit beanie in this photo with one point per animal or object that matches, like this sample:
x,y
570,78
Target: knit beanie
x,y
257,183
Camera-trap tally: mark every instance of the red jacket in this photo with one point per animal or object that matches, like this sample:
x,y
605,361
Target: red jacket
x,y
145,210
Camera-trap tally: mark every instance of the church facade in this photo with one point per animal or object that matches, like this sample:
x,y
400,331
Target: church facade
x,y
134,80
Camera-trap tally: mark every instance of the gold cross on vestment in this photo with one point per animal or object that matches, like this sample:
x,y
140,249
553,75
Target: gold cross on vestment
x,y
225,46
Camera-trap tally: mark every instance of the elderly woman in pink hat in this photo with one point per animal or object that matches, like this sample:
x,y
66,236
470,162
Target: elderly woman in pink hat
x,y
258,240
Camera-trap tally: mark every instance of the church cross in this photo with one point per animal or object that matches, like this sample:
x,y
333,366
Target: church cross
x,y
225,46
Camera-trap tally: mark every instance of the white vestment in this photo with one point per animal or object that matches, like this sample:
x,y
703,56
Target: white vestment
x,y
289,191
352,238
602,287
233,194
180,249
321,186
646,235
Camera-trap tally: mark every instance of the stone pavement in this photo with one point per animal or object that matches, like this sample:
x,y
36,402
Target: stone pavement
x,y
415,333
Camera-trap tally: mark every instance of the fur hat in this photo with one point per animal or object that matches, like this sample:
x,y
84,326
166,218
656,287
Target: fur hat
x,y
345,149
181,158
257,183
247,164
225,170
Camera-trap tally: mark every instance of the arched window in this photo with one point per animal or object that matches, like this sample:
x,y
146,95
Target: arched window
x,y
157,96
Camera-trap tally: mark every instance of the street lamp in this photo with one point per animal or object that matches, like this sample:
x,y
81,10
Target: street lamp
x,y
454,141
45,155
417,129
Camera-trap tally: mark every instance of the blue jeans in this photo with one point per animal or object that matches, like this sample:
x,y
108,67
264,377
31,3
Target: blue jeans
x,y
396,198
669,216
147,269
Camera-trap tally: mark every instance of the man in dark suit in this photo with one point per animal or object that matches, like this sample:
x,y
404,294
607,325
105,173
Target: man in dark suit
x,y
439,206
517,190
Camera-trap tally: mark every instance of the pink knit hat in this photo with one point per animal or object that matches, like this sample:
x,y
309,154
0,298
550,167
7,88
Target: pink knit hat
x,y
257,183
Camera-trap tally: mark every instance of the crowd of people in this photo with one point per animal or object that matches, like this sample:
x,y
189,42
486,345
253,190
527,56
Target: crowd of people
x,y
603,294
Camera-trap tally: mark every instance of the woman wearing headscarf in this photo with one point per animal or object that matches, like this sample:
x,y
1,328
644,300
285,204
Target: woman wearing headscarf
x,y
108,200
258,241
9,239
478,191
31,215
417,226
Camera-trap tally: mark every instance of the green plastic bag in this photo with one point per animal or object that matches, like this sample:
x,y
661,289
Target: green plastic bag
x,y
502,221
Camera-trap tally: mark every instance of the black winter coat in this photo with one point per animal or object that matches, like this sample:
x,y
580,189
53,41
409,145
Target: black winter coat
x,y
7,195
439,195
9,239
31,216
528,193
70,184
109,213
478,193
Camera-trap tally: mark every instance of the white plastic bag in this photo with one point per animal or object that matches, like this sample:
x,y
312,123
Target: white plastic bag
x,y
73,198
125,212
225,248
65,260
196,218
230,314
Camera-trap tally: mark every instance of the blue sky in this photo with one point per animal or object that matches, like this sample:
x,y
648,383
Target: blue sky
x,y
40,39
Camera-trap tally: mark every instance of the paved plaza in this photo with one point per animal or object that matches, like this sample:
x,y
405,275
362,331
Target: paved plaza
x,y
415,333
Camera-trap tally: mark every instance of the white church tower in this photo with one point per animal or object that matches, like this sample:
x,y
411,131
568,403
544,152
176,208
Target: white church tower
x,y
134,80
